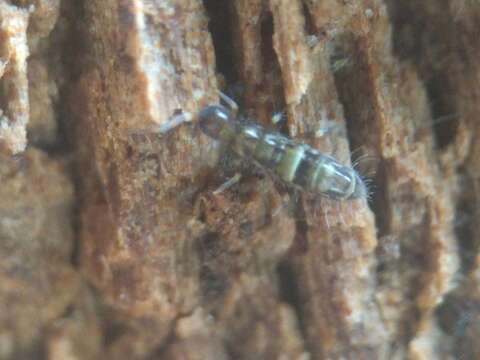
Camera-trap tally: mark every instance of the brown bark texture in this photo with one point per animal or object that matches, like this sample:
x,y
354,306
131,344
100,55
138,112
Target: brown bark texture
x,y
116,242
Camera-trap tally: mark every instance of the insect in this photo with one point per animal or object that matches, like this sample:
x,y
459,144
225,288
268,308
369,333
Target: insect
x,y
296,164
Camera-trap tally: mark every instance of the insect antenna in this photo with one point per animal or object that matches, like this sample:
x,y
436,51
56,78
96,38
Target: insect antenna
x,y
231,104
174,121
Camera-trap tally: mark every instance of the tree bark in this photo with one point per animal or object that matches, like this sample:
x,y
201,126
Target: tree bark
x,y
114,242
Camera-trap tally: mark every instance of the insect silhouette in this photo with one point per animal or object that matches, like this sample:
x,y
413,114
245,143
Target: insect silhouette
x,y
294,163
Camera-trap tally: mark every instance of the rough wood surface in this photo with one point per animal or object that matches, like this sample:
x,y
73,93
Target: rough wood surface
x,y
114,243
13,77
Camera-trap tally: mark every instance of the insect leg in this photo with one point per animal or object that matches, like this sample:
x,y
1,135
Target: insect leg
x,y
327,221
278,117
339,212
327,126
227,184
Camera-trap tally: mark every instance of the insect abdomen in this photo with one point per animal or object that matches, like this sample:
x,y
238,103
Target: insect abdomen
x,y
297,164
